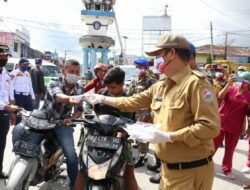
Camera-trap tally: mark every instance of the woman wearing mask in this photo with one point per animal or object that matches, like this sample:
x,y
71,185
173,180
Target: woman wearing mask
x,y
97,82
233,110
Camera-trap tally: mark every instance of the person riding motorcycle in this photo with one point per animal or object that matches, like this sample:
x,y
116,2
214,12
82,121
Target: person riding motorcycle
x,y
63,95
97,82
142,82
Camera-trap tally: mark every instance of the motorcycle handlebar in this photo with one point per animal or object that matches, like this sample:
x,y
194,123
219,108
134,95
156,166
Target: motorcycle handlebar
x,y
77,120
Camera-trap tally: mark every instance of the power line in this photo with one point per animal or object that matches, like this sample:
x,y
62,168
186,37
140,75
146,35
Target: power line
x,y
219,11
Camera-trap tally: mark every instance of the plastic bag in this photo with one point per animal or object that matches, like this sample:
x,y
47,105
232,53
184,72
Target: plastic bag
x,y
140,131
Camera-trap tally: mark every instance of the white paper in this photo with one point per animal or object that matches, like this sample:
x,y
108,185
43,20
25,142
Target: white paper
x,y
78,98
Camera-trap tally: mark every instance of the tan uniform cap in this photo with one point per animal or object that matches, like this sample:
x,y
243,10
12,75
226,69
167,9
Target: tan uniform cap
x,y
170,40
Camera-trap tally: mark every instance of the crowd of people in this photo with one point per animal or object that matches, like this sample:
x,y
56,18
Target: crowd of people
x,y
196,111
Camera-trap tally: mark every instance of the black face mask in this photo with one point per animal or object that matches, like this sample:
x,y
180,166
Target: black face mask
x,y
3,62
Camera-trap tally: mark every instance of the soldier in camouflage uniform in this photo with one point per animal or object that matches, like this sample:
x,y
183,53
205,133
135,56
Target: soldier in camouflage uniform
x,y
142,82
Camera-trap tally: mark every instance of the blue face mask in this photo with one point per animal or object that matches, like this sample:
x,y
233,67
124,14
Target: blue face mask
x,y
24,68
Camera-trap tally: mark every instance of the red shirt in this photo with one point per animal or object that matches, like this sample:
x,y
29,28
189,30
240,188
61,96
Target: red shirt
x,y
233,110
94,83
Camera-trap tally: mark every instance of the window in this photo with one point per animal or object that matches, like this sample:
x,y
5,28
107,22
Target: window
x,y
15,47
50,70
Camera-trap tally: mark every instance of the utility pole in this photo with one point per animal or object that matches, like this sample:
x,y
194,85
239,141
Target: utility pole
x,y
65,53
125,44
165,10
212,45
225,51
122,56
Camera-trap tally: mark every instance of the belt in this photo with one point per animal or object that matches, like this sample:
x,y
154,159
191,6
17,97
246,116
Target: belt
x,y
188,165
22,93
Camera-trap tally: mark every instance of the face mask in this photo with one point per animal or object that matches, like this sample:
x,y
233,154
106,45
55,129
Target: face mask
x,y
239,73
100,76
72,79
209,73
140,71
218,75
160,65
3,62
24,68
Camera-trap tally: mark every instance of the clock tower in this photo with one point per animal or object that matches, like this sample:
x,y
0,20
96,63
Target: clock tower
x,y
97,17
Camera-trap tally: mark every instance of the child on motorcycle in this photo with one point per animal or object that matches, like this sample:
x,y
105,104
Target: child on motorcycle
x,y
114,81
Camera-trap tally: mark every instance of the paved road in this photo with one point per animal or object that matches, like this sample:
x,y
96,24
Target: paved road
x,y
142,175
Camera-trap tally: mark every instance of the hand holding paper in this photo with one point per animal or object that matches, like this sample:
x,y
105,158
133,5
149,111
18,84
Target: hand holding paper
x,y
147,133
94,98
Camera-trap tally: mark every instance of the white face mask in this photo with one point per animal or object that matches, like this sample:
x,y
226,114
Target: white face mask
x,y
239,72
72,79
218,74
158,62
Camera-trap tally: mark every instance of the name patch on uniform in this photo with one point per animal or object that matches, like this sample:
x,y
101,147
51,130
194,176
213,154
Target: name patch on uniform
x,y
207,95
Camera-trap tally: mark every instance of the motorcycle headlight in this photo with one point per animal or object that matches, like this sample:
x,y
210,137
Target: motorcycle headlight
x,y
98,172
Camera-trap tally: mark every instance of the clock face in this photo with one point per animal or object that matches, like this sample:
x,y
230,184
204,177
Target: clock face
x,y
97,25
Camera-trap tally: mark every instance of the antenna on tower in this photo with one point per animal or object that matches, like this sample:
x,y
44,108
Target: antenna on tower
x,y
166,7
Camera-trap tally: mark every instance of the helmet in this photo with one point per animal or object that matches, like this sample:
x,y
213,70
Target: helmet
x,y
141,61
100,66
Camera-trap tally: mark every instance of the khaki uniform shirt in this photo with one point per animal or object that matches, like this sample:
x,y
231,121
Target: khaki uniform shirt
x,y
186,104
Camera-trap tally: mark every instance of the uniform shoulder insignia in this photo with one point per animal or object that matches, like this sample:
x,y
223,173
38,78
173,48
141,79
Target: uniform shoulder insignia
x,y
199,74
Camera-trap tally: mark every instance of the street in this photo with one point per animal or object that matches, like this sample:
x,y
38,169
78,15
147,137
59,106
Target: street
x,y
142,175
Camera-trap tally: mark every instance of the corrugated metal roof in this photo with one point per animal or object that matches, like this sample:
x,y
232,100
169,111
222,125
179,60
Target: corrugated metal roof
x,y
232,51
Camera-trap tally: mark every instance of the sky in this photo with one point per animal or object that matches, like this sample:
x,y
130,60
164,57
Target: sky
x,y
56,25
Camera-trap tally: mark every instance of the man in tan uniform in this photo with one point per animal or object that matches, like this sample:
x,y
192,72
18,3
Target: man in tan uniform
x,y
185,107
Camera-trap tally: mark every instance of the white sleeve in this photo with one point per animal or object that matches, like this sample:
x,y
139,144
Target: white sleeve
x,y
2,105
11,90
13,79
31,90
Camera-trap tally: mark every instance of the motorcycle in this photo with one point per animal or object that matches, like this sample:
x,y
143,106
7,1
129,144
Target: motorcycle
x,y
101,151
38,155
